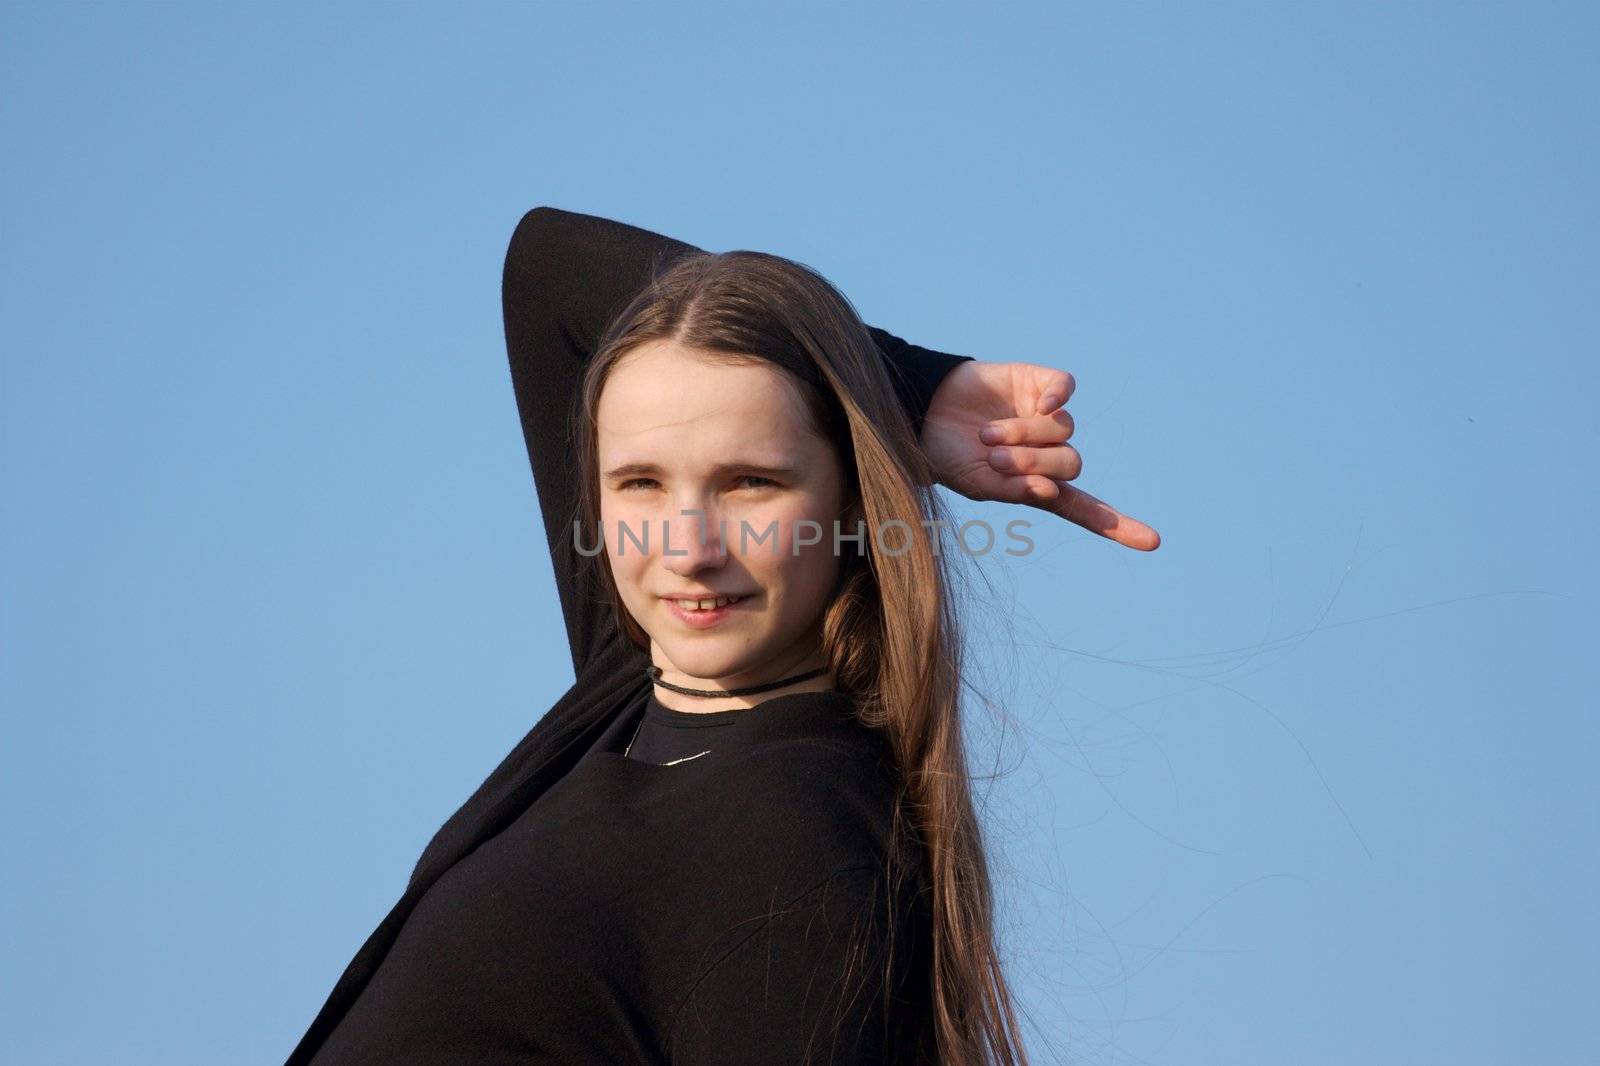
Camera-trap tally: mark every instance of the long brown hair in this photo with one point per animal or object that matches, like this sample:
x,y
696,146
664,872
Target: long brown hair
x,y
889,634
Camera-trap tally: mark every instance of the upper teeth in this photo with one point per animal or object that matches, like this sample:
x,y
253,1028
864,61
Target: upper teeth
x,y
706,605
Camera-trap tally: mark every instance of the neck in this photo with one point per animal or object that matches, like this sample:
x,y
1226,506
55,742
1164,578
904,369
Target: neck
x,y
774,670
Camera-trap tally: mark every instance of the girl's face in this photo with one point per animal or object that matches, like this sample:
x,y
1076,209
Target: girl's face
x,y
677,433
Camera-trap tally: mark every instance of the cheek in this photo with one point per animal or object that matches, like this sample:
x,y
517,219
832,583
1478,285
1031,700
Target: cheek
x,y
630,566
772,532
625,572
796,559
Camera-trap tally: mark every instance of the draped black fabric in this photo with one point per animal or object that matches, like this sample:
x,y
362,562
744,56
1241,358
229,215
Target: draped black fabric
x,y
583,906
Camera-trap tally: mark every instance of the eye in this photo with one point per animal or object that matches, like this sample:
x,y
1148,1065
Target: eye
x,y
764,482
631,482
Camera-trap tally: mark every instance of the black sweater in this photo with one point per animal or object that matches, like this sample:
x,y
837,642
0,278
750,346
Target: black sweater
x,y
666,906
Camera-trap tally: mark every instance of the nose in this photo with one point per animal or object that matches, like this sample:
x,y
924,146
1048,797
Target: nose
x,y
692,542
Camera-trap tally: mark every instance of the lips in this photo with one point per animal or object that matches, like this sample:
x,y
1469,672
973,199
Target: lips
x,y
717,609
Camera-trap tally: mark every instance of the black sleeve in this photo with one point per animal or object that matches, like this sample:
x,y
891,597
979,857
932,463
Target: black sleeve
x,y
567,275
808,985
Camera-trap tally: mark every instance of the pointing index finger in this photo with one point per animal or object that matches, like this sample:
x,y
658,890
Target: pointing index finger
x,y
1097,516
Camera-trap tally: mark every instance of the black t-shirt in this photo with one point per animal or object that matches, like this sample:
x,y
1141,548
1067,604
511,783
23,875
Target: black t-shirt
x,y
667,737
718,895
701,912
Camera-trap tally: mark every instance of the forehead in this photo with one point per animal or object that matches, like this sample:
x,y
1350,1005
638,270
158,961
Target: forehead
x,y
664,398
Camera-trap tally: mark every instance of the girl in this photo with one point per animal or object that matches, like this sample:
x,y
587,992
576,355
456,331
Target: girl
x,y
745,834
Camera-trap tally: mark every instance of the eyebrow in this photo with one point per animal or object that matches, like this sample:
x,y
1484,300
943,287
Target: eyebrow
x,y
652,470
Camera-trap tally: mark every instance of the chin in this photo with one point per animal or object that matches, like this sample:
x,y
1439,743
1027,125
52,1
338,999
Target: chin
x,y
703,662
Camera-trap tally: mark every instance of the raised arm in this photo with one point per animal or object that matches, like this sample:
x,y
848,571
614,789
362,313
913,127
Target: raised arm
x,y
567,275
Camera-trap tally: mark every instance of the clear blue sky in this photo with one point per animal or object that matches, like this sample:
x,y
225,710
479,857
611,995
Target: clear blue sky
x,y
1313,783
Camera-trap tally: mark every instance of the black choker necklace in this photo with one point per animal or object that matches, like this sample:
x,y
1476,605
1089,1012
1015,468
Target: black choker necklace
x,y
655,676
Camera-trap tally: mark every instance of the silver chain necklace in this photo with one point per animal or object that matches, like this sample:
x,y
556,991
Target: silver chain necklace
x,y
672,762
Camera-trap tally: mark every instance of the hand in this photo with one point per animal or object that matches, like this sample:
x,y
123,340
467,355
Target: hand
x,y
998,431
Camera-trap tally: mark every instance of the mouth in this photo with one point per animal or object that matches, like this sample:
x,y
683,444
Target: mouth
x,y
703,613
